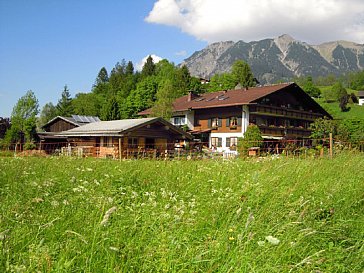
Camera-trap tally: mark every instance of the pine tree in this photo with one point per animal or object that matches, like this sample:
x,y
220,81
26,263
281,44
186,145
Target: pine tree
x,y
64,105
148,68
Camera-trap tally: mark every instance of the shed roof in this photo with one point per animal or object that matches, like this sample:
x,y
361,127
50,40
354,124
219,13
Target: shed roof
x,y
361,94
118,127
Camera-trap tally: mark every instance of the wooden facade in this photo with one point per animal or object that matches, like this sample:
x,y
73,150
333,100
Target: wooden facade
x,y
60,124
151,139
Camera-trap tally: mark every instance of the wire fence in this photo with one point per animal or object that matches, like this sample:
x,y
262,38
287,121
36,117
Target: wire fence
x,y
189,150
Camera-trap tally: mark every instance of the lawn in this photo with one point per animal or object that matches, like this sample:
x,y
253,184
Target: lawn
x,y
271,215
356,112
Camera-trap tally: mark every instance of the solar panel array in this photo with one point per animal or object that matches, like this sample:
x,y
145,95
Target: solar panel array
x,y
85,119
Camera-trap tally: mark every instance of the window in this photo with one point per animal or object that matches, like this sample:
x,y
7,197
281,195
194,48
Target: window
x,y
233,122
215,123
232,143
180,120
150,143
108,142
216,142
133,142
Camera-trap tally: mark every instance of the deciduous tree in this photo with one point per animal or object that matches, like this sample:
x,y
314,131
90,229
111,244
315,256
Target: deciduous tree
x,y
23,119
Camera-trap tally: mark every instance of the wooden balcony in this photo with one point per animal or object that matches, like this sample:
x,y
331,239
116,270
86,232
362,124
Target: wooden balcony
x,y
289,132
283,112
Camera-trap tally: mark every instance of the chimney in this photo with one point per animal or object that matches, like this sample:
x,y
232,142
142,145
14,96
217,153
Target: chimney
x,y
191,95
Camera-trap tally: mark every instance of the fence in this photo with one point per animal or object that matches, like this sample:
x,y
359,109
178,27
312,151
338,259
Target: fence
x,y
192,150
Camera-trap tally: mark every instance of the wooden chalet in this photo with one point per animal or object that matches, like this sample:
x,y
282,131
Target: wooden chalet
x,y
125,138
282,111
50,141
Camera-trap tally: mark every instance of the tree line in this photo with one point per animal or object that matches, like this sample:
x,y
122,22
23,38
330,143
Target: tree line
x,y
124,92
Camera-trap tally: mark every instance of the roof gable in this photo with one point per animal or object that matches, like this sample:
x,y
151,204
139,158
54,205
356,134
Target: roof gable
x,y
76,120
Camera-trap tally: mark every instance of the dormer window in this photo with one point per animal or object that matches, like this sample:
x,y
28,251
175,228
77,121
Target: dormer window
x,y
179,120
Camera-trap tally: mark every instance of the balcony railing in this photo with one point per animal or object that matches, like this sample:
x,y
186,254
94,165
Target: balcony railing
x,y
283,112
284,131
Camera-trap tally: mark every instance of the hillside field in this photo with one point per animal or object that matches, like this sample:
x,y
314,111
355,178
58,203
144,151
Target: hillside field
x,y
269,215
356,111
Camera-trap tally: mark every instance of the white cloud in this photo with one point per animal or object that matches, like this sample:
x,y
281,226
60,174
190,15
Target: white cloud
x,y
156,59
313,21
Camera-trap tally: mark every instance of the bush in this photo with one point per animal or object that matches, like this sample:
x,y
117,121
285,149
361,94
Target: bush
x,y
252,138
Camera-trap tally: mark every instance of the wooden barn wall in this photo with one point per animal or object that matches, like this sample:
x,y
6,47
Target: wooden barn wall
x,y
59,126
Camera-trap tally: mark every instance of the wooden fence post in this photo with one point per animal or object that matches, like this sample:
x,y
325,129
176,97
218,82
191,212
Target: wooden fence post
x,y
331,144
119,148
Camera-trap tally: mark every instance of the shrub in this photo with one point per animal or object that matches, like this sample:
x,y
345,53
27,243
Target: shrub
x,y
252,138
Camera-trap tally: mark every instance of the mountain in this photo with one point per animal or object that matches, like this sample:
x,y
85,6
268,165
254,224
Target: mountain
x,y
281,58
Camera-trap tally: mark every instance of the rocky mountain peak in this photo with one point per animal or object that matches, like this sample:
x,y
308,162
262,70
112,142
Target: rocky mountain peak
x,y
281,58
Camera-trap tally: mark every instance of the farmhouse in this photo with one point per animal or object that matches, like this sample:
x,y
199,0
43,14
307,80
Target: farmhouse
x,y
282,111
50,141
361,97
125,138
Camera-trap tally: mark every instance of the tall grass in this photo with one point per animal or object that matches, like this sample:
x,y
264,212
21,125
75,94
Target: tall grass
x,y
87,215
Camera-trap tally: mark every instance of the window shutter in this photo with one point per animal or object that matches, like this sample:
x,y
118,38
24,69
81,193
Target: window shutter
x,y
219,142
239,121
219,122
227,142
209,123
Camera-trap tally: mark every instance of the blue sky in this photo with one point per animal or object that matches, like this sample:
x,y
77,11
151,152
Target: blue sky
x,y
45,44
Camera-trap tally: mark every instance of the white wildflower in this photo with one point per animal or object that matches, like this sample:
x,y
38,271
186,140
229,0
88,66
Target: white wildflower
x,y
114,248
89,169
249,220
272,240
107,216
261,243
55,203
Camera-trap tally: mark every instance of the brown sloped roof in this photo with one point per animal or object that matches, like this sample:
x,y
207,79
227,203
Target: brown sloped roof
x,y
223,98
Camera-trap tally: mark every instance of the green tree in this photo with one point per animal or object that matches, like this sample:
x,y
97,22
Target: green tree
x,y
23,120
339,91
64,105
163,106
129,69
110,110
310,88
102,77
252,138
141,98
223,81
88,104
322,128
4,126
242,74
49,111
148,68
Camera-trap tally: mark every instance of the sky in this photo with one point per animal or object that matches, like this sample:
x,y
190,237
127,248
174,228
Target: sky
x,y
46,44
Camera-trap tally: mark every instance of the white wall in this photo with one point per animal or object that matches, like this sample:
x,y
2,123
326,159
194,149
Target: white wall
x,y
361,101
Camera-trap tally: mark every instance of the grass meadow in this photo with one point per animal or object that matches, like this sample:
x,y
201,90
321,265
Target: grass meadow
x,y
271,215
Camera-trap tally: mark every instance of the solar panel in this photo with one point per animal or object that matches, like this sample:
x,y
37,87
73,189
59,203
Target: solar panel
x,y
85,119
